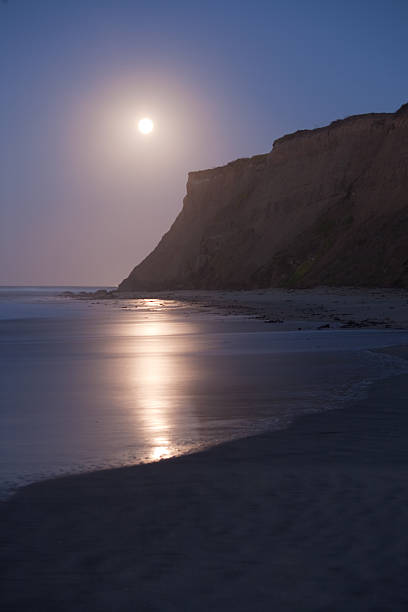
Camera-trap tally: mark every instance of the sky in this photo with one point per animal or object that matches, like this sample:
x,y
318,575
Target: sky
x,y
84,196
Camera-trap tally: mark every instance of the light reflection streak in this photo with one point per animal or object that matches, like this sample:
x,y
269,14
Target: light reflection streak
x,y
160,377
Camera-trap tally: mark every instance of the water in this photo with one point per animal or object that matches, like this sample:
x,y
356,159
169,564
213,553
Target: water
x,y
34,302
88,385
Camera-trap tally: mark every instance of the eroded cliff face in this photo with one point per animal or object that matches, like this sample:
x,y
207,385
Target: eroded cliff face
x,y
325,206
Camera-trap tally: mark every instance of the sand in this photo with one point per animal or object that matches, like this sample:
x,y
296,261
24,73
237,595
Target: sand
x,y
310,518
293,309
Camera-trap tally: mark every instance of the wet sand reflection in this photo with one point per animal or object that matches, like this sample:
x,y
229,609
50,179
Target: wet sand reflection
x,y
159,381
140,384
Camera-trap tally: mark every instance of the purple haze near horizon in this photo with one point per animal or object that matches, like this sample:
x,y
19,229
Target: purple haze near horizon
x,y
83,196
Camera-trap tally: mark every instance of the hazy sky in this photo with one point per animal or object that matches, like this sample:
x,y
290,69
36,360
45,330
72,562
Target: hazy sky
x,y
83,196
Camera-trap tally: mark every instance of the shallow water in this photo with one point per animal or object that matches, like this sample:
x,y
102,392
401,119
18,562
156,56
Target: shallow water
x,y
93,385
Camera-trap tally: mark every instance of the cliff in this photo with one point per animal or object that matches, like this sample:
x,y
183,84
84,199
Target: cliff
x,y
325,206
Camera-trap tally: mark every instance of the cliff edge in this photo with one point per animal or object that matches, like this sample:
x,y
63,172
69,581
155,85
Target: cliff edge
x,y
325,206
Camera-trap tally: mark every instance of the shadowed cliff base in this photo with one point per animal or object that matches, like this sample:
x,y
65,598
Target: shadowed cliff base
x,y
325,206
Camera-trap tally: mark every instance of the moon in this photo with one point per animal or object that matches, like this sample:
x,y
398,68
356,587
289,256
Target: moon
x,y
145,125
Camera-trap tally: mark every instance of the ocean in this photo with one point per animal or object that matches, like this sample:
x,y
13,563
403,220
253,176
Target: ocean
x,y
95,384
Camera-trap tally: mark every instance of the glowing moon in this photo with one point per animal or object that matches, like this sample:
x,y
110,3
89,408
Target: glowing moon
x,y
145,125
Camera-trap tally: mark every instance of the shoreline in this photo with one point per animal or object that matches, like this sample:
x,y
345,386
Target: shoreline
x,y
283,338
290,309
399,352
311,517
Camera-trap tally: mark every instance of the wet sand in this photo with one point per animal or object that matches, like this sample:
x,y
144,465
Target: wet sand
x,y
310,518
292,309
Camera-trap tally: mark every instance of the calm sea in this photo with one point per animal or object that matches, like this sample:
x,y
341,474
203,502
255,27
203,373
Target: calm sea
x,y
93,384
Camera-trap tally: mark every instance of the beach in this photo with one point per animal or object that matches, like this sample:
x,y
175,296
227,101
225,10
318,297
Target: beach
x,y
309,515
310,518
203,306
298,309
